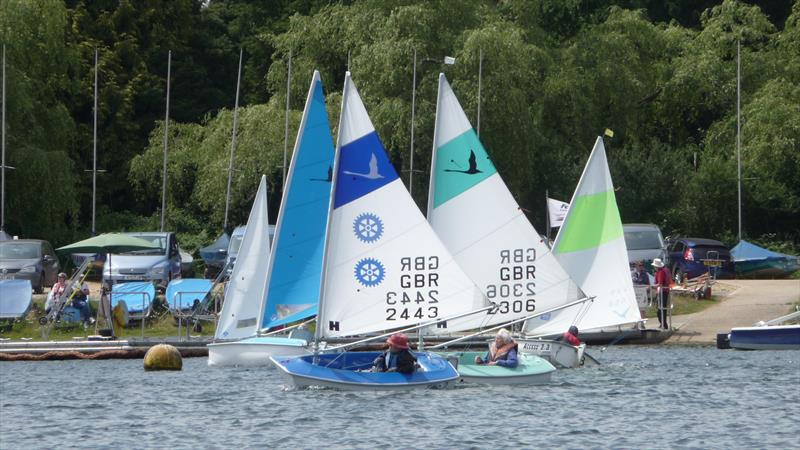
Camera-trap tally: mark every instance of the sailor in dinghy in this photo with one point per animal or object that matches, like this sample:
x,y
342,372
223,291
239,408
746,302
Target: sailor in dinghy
x,y
384,268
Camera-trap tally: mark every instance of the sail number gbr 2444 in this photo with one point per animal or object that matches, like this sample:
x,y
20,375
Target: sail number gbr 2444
x,y
515,290
418,294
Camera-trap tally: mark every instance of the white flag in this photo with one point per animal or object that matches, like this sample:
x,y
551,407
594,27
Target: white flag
x,y
449,60
557,211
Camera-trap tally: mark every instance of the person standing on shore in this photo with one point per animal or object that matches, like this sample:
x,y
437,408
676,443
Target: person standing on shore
x,y
663,280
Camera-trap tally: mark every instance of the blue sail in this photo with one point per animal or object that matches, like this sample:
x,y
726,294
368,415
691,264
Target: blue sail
x,y
293,287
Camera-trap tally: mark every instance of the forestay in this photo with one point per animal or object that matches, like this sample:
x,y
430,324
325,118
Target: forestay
x,y
480,223
296,269
243,294
385,267
591,247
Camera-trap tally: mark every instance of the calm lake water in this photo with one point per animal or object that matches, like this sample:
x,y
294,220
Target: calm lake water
x,y
642,397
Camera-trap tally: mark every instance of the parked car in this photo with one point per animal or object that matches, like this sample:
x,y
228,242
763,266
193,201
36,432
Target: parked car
x,y
158,265
29,259
644,242
692,257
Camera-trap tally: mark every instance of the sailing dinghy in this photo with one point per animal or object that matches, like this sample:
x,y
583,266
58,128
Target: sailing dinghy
x,y
384,267
242,305
530,369
500,250
591,247
291,279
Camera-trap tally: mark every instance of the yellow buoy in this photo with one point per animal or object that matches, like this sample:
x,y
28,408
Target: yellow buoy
x,y
163,357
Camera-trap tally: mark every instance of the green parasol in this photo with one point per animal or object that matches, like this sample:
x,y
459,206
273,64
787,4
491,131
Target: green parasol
x,y
108,243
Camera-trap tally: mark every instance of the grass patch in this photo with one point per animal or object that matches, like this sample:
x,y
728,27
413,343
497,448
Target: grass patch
x,y
685,304
160,324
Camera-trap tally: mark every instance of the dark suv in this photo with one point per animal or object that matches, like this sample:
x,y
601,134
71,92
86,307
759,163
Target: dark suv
x,y
692,257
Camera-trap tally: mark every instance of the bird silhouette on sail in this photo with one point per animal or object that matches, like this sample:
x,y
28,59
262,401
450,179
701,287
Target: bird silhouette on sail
x,y
328,180
473,165
373,170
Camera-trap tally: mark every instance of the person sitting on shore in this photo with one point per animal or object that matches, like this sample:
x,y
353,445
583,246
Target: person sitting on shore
x,y
80,301
571,336
398,358
56,293
502,352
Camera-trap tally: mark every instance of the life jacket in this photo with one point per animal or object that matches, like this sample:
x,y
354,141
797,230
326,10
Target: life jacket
x,y
496,354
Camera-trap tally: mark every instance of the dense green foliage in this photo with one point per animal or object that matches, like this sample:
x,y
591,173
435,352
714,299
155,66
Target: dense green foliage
x,y
555,74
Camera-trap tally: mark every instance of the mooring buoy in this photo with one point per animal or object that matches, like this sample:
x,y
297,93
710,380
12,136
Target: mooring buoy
x,y
163,357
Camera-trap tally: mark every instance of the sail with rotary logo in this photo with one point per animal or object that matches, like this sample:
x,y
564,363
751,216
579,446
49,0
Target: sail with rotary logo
x,y
385,268
480,222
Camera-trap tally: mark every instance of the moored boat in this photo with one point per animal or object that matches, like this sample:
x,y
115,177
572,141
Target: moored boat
x,y
768,337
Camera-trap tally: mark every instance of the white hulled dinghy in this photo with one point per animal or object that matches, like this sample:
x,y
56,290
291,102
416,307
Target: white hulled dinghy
x,y
499,249
591,247
289,289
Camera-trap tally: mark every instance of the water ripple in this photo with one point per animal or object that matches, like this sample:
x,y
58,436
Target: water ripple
x,y
642,397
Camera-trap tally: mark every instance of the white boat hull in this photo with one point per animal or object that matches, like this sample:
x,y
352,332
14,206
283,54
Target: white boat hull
x,y
253,352
558,353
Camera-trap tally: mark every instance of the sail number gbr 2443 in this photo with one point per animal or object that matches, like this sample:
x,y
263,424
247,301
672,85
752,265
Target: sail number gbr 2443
x,y
515,290
418,294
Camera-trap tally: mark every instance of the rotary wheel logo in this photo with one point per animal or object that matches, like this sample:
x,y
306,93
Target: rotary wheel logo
x,y
368,227
370,272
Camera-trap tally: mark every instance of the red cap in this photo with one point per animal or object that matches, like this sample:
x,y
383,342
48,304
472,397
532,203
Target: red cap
x,y
399,340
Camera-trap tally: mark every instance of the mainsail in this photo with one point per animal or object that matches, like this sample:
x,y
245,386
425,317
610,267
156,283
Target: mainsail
x,y
480,223
296,269
242,307
384,267
591,247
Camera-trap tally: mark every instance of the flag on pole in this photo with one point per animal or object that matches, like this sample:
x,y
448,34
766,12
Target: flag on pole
x,y
609,133
449,60
557,211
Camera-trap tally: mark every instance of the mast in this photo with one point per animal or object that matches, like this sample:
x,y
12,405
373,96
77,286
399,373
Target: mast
x,y
3,139
286,122
334,181
233,143
413,105
739,130
431,185
166,139
480,73
94,149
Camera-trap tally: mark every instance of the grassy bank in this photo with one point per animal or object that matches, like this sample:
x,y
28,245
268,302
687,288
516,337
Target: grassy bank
x,y
160,324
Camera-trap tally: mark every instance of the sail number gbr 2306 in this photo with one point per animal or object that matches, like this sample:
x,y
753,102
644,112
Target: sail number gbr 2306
x,y
418,294
515,290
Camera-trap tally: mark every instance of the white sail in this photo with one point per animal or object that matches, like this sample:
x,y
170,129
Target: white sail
x,y
242,307
591,247
480,223
384,266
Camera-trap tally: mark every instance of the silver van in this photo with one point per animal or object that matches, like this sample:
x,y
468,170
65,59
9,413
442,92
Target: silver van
x,y
159,265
